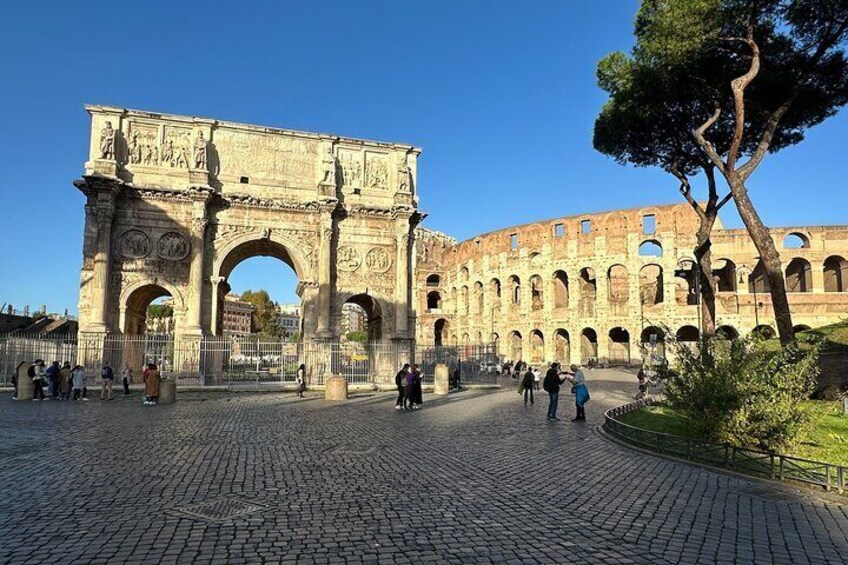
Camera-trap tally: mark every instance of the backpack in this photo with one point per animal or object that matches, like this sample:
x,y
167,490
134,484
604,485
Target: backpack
x,y
104,373
31,371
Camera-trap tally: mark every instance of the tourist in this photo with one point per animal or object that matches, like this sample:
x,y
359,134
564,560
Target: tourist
x,y
151,384
126,378
642,379
20,373
537,378
407,390
417,392
457,377
527,385
580,391
400,380
36,373
551,385
300,379
78,378
107,377
52,374
65,381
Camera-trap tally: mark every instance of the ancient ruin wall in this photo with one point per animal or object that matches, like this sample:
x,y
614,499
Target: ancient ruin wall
x,y
586,286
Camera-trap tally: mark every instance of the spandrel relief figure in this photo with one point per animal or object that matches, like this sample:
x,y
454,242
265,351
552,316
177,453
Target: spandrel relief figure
x,y
200,151
150,152
135,148
328,164
182,155
168,152
107,142
403,174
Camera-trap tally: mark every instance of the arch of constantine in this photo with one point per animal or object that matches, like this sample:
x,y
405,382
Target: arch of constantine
x,y
175,203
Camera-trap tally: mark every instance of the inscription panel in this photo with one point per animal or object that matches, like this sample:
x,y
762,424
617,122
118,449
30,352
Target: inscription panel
x,y
289,160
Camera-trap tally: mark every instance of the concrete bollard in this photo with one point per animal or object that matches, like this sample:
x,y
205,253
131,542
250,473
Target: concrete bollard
x,y
336,389
441,384
167,391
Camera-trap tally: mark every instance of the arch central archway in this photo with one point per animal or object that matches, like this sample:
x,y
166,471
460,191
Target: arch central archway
x,y
236,254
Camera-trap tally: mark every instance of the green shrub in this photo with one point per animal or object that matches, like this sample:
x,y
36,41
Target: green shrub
x,y
740,392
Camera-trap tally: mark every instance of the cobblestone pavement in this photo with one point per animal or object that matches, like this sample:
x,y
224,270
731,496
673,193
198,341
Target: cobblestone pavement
x,y
472,478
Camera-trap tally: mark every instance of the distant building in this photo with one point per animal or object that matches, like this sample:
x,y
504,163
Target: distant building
x,y
354,319
238,315
163,323
289,318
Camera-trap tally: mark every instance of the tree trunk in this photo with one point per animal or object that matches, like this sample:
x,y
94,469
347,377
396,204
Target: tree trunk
x,y
768,255
703,256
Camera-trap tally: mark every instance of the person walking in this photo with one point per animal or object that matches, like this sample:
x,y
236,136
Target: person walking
x,y
107,377
78,377
417,392
52,374
65,381
400,381
581,392
527,385
300,379
151,384
126,378
551,385
36,373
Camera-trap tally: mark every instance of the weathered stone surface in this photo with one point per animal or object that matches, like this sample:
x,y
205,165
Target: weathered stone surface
x,y
441,384
548,291
167,391
335,389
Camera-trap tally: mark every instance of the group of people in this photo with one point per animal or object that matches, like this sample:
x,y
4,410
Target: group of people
x,y
62,382
408,382
554,378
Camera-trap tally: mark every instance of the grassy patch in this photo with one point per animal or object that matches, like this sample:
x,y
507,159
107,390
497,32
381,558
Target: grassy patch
x,y
835,337
826,440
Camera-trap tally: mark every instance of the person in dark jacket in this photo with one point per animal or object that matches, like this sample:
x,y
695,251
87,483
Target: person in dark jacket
x,y
551,385
527,385
400,381
53,380
417,392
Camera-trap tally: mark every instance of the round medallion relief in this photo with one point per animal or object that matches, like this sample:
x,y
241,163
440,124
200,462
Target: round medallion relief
x,y
349,259
173,246
378,260
134,244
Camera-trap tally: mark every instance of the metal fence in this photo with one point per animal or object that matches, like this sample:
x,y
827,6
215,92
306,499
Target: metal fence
x,y
243,362
753,462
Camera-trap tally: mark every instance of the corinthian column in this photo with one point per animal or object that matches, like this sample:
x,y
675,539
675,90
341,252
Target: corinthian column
x,y
195,279
402,235
104,212
324,272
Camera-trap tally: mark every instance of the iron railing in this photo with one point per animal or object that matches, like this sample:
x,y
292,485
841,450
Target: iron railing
x,y
243,362
759,463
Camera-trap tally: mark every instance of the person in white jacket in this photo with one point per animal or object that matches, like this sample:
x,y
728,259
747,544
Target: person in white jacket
x,y
78,377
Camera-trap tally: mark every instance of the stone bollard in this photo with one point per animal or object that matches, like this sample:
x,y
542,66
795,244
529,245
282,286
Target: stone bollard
x,y
335,389
167,391
25,386
441,384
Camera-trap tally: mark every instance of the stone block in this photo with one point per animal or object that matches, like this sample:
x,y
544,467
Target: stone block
x,y
336,389
441,384
167,391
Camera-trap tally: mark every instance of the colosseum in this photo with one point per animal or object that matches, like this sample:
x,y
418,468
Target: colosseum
x,y
595,287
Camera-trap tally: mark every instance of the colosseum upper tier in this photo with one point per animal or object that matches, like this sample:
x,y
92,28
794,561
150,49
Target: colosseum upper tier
x,y
596,286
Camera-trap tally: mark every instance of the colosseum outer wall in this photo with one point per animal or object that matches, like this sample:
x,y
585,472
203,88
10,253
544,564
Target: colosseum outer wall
x,y
596,286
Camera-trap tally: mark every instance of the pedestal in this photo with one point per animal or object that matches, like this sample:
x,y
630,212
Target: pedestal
x,y
336,389
102,167
167,391
441,384
25,385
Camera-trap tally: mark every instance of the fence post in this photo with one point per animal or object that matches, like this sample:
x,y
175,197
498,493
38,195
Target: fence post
x,y
828,478
771,465
782,461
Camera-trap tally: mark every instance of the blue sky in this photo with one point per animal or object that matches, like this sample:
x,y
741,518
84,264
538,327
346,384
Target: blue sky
x,y
500,95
